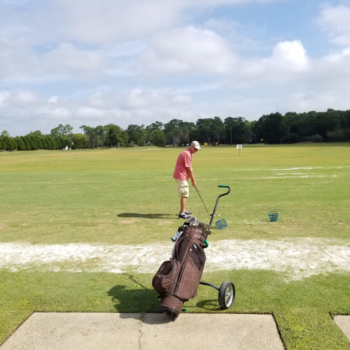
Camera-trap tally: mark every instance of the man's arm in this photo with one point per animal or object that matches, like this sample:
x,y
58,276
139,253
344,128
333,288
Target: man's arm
x,y
191,175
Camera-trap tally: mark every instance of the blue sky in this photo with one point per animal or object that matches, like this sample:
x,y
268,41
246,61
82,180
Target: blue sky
x,y
135,62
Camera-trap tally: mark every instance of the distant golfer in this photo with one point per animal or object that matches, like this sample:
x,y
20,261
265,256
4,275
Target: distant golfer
x,y
183,172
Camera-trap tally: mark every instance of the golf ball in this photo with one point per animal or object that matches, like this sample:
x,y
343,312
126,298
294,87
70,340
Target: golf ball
x,y
218,214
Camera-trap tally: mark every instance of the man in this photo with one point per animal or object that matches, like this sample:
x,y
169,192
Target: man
x,y
183,172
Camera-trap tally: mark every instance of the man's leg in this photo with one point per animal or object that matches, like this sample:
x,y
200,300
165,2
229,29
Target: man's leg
x,y
183,202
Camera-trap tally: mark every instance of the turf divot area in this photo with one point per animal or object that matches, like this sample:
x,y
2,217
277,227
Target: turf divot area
x,y
343,323
145,331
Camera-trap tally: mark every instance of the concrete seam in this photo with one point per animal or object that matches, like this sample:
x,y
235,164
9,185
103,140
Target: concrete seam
x,y
143,314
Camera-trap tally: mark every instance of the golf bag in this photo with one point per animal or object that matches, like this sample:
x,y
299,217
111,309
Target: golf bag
x,y
177,279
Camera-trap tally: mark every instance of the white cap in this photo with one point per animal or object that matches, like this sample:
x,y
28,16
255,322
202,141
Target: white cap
x,y
196,145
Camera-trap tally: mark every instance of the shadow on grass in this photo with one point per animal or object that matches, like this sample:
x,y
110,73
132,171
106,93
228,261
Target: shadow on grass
x,y
210,304
147,216
133,302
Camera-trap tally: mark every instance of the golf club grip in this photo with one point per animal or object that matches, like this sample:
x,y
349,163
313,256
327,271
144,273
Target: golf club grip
x,y
223,186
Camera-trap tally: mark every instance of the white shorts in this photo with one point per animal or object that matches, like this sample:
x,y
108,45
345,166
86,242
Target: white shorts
x,y
182,188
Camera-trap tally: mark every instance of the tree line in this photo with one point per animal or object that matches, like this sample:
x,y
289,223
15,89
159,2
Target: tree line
x,y
274,128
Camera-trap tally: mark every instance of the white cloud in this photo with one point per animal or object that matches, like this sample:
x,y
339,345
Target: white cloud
x,y
289,55
338,57
25,98
91,112
53,99
136,106
336,21
69,60
106,21
61,114
4,96
222,26
315,99
20,63
155,60
288,62
187,50
182,99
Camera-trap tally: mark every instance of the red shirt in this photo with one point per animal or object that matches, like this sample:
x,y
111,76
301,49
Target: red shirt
x,y
184,160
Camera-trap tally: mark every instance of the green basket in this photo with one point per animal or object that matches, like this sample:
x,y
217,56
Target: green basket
x,y
221,224
273,216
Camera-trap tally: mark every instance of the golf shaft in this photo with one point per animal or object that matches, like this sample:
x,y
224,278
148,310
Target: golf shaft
x,y
202,200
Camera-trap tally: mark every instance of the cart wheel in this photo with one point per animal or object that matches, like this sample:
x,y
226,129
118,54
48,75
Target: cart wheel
x,y
226,295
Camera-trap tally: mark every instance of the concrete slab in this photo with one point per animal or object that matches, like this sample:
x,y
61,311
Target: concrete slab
x,y
343,323
68,331
210,331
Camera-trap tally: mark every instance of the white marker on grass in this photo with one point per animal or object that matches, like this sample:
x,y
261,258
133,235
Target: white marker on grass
x,y
239,147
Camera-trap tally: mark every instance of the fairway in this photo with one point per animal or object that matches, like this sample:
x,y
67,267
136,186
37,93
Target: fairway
x,y
80,231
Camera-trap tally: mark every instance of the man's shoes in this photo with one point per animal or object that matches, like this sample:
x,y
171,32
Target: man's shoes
x,y
187,212
184,216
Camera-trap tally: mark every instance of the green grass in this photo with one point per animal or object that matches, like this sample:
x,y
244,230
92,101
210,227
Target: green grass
x,y
128,196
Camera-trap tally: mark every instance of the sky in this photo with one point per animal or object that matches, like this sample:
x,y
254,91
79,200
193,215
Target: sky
x,y
96,62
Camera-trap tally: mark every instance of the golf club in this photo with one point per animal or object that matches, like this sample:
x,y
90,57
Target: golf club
x,y
202,200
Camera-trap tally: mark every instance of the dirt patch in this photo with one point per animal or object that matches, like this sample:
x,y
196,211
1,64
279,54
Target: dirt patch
x,y
165,222
127,222
296,259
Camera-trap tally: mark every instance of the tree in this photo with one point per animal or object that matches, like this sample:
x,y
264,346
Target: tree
x,y
218,128
185,129
54,144
273,128
35,133
150,128
239,129
96,141
137,134
64,130
20,144
80,141
34,142
242,131
14,143
327,122
100,131
229,123
116,136
63,142
157,125
50,143
158,138
90,133
124,138
8,143
26,143
5,133
205,129
172,130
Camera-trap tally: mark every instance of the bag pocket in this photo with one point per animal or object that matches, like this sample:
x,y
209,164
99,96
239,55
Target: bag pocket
x,y
198,256
187,284
166,277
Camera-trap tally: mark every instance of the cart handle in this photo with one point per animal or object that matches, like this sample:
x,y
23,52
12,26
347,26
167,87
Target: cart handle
x,y
217,201
225,186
